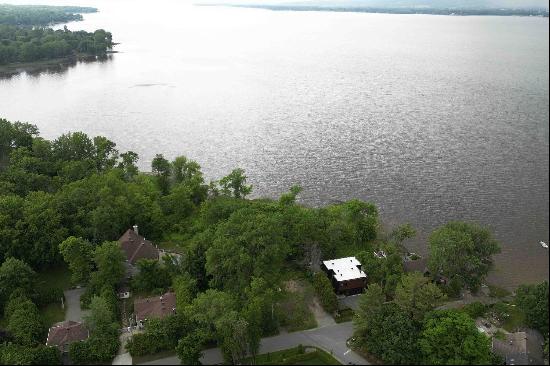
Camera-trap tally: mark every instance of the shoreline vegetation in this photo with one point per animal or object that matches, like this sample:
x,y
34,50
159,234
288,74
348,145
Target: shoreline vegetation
x,y
402,11
27,44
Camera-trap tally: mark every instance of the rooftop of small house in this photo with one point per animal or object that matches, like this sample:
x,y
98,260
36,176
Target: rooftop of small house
x,y
345,269
66,332
155,307
136,247
520,348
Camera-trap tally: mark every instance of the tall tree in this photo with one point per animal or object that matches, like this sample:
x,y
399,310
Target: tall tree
x,y
451,338
109,260
189,349
462,252
234,184
417,296
391,335
161,169
533,301
78,254
15,274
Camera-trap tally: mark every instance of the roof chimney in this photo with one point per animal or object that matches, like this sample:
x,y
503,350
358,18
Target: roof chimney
x,y
136,229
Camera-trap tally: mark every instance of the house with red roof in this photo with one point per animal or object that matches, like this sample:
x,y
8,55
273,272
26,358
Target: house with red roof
x,y
62,334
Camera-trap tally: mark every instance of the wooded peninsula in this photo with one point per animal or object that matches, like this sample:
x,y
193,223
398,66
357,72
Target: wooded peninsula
x,y
26,38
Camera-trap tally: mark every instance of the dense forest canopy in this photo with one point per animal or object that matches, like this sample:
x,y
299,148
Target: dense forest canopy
x,y
40,15
29,45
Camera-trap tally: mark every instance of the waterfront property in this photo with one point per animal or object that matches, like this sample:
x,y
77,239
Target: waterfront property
x,y
346,275
62,334
154,307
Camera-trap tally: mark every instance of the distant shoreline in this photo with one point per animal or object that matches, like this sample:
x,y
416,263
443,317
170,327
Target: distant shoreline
x,y
403,11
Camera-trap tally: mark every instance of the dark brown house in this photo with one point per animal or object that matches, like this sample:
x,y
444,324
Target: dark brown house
x,y
136,247
346,275
62,334
154,307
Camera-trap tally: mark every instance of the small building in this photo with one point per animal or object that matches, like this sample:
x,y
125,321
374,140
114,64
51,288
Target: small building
x,y
62,334
123,291
520,348
346,275
136,247
154,307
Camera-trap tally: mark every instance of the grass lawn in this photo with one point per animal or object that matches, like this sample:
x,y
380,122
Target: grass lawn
x,y
515,320
498,292
52,314
296,356
59,277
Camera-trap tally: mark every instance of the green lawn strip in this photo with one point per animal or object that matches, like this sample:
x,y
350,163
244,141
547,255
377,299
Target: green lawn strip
x,y
59,277
515,320
157,356
51,314
295,356
498,292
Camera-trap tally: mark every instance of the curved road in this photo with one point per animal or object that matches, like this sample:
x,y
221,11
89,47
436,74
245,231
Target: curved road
x,y
331,338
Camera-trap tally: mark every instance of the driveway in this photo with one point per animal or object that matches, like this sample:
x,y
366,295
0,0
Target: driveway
x,y
351,302
72,305
331,338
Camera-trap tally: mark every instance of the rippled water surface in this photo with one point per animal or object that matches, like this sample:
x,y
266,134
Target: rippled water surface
x,y
434,118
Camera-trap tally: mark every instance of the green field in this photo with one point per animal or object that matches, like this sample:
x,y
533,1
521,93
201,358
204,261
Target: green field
x,y
296,356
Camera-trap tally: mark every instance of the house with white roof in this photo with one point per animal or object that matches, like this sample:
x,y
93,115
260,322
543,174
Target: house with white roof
x,y
346,275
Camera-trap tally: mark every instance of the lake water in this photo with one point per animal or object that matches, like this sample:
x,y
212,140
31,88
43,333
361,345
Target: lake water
x,y
433,118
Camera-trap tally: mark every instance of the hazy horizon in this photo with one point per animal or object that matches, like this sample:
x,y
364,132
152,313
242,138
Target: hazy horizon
x,y
434,4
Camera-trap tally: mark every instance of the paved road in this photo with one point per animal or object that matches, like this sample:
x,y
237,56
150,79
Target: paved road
x,y
72,305
330,338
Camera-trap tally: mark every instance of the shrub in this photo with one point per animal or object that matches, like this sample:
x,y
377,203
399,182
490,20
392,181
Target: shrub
x,y
475,309
325,292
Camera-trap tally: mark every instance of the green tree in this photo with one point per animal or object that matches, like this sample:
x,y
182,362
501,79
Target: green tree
x,y
533,301
234,184
325,292
162,170
189,349
370,303
101,315
233,332
24,322
462,252
416,295
207,308
78,254
152,275
451,338
109,260
391,335
128,165
185,288
15,274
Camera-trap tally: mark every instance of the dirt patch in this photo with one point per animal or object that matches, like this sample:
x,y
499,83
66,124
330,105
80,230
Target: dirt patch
x,y
293,286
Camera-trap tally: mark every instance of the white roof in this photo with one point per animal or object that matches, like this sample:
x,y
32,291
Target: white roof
x,y
345,269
